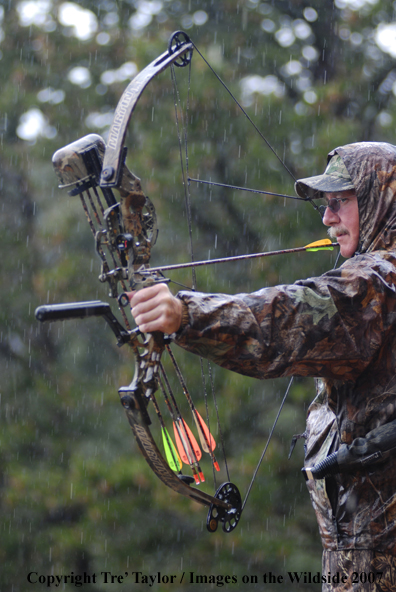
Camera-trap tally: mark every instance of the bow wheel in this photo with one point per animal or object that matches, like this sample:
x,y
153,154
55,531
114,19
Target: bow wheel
x,y
178,40
228,493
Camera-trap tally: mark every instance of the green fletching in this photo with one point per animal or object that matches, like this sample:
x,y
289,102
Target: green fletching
x,y
320,249
171,453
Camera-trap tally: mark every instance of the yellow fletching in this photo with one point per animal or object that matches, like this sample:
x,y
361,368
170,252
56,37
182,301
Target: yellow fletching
x,y
320,245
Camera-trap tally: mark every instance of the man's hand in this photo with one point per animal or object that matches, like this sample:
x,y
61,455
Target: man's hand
x,y
156,309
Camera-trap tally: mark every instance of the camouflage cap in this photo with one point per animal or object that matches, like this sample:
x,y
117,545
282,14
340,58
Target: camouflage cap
x,y
335,178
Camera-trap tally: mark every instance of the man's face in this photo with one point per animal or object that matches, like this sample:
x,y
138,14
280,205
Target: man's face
x,y
344,223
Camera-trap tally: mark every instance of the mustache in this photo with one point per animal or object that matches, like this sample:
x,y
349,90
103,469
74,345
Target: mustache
x,y
335,231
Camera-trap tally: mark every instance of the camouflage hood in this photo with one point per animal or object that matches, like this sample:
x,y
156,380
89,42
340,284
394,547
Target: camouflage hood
x,y
372,167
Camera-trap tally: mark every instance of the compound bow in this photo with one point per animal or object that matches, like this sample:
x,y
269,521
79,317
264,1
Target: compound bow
x,y
124,233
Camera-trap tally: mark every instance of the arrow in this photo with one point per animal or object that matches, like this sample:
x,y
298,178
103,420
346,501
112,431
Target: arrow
x,y
327,246
207,441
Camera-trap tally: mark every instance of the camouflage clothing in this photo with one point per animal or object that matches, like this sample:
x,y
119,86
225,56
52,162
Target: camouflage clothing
x,y
338,327
361,570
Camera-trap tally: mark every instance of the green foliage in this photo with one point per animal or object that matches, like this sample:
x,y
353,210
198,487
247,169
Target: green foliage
x,y
75,493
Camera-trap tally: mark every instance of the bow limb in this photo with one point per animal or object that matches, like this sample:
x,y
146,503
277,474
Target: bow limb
x,y
113,161
225,506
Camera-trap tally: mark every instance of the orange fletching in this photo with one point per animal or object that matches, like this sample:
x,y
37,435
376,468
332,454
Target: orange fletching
x,y
186,443
207,441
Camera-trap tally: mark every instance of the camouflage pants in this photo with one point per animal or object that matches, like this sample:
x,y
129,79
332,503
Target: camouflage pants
x,y
358,571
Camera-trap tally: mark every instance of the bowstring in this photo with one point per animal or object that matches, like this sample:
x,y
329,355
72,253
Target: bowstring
x,y
288,196
187,200
260,133
245,113
239,188
186,183
236,187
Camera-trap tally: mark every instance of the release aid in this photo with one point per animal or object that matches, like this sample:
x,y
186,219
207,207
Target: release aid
x,y
364,453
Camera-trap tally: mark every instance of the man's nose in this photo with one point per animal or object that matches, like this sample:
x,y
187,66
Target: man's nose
x,y
330,218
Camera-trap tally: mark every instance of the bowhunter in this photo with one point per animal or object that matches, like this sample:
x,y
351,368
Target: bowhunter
x,y
340,329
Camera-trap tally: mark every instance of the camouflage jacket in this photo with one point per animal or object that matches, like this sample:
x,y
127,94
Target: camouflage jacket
x,y
339,328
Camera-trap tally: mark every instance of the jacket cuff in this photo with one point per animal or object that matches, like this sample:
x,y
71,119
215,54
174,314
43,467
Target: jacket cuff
x,y
185,317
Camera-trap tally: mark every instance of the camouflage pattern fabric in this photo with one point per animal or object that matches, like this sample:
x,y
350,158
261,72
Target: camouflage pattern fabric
x,y
339,328
359,571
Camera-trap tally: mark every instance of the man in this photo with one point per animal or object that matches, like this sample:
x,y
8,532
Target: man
x,y
339,328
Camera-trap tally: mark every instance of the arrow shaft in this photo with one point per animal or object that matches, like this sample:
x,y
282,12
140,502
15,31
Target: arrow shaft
x,y
232,259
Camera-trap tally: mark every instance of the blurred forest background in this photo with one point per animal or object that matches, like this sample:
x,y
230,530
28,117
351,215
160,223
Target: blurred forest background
x,y
75,493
